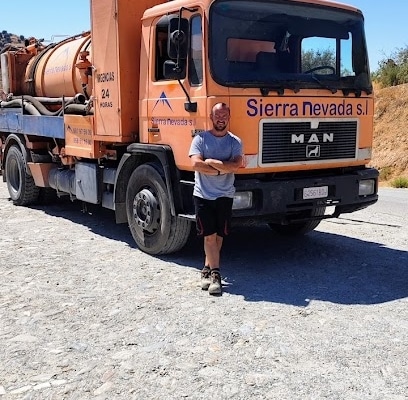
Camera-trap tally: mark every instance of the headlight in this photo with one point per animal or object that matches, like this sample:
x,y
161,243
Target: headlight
x,y
242,200
366,187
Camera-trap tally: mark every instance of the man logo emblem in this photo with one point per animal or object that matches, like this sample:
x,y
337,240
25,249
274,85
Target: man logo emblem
x,y
313,151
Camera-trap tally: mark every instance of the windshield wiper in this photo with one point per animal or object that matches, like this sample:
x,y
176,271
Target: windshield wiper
x,y
323,85
266,87
356,91
280,90
265,90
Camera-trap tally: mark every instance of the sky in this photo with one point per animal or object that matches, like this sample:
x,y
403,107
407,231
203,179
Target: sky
x,y
385,21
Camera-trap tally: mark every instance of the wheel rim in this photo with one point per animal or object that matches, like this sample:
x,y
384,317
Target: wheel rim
x,y
146,211
14,175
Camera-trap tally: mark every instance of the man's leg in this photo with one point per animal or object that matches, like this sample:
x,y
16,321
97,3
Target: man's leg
x,y
219,240
213,220
223,217
214,244
206,227
212,251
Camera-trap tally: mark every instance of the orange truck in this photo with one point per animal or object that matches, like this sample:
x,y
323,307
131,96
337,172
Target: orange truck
x,y
107,117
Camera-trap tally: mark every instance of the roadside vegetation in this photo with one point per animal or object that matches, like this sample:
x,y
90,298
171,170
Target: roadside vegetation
x,y
391,78
400,182
393,71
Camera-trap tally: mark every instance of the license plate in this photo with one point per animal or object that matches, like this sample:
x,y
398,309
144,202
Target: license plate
x,y
315,192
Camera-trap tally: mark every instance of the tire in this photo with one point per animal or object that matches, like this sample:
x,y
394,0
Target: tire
x,y
299,228
20,184
153,228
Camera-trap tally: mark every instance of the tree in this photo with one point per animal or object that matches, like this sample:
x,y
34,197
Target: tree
x,y
312,59
393,71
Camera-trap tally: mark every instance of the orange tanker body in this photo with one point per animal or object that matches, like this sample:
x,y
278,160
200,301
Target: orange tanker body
x,y
57,71
107,116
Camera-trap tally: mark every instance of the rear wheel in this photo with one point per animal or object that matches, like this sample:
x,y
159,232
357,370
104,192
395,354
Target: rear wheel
x,y
20,184
153,228
299,228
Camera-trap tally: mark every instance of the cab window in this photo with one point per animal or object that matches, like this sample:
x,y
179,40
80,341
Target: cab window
x,y
161,51
195,68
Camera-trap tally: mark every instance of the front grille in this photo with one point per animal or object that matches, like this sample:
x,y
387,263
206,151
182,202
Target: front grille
x,y
303,141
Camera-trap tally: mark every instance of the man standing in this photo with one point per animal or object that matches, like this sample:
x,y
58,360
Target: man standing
x,y
215,156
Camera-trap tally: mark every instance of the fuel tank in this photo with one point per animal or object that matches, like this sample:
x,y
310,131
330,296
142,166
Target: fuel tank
x,y
55,71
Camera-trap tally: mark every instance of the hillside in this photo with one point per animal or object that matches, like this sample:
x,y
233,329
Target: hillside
x,y
390,150
7,38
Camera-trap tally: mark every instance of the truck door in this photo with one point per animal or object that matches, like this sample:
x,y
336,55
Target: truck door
x,y
168,121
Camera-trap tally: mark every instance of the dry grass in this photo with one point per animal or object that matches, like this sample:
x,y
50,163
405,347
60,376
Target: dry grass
x,y
390,148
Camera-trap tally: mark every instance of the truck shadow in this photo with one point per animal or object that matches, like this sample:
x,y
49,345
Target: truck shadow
x,y
261,266
100,221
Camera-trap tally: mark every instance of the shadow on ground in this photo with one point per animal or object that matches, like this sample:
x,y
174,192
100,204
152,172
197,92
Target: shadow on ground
x,y
100,221
261,266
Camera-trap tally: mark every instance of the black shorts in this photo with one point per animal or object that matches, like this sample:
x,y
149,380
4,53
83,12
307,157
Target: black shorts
x,y
213,216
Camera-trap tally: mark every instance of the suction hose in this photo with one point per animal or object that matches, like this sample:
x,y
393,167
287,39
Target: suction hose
x,y
32,105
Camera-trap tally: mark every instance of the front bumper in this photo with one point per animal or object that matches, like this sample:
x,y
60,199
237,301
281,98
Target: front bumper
x,y
281,199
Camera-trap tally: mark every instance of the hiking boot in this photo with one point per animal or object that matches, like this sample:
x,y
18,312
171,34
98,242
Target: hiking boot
x,y
215,285
205,278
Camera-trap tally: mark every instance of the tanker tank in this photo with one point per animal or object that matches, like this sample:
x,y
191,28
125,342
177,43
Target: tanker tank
x,y
61,69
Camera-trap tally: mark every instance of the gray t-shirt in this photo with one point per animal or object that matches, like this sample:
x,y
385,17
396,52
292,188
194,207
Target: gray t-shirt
x,y
224,148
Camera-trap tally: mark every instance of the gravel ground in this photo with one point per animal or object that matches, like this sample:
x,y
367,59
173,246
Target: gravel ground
x,y
85,315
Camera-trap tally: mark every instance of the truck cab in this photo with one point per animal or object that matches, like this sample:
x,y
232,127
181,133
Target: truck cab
x,y
296,77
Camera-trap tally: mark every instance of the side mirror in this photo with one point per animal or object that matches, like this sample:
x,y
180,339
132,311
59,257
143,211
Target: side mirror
x,y
171,71
177,44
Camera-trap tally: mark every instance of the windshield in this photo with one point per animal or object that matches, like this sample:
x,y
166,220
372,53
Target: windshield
x,y
277,45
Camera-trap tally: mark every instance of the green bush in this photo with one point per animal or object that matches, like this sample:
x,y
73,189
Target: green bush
x,y
385,173
393,71
400,182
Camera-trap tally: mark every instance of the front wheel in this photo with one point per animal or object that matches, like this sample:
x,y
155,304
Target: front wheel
x,y
20,184
299,228
153,228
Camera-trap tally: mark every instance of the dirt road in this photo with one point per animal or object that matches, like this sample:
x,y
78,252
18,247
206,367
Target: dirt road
x,y
86,315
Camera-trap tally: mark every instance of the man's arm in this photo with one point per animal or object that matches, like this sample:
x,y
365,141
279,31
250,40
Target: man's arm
x,y
225,167
202,166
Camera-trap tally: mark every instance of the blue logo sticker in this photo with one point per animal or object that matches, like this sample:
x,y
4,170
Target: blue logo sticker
x,y
163,99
